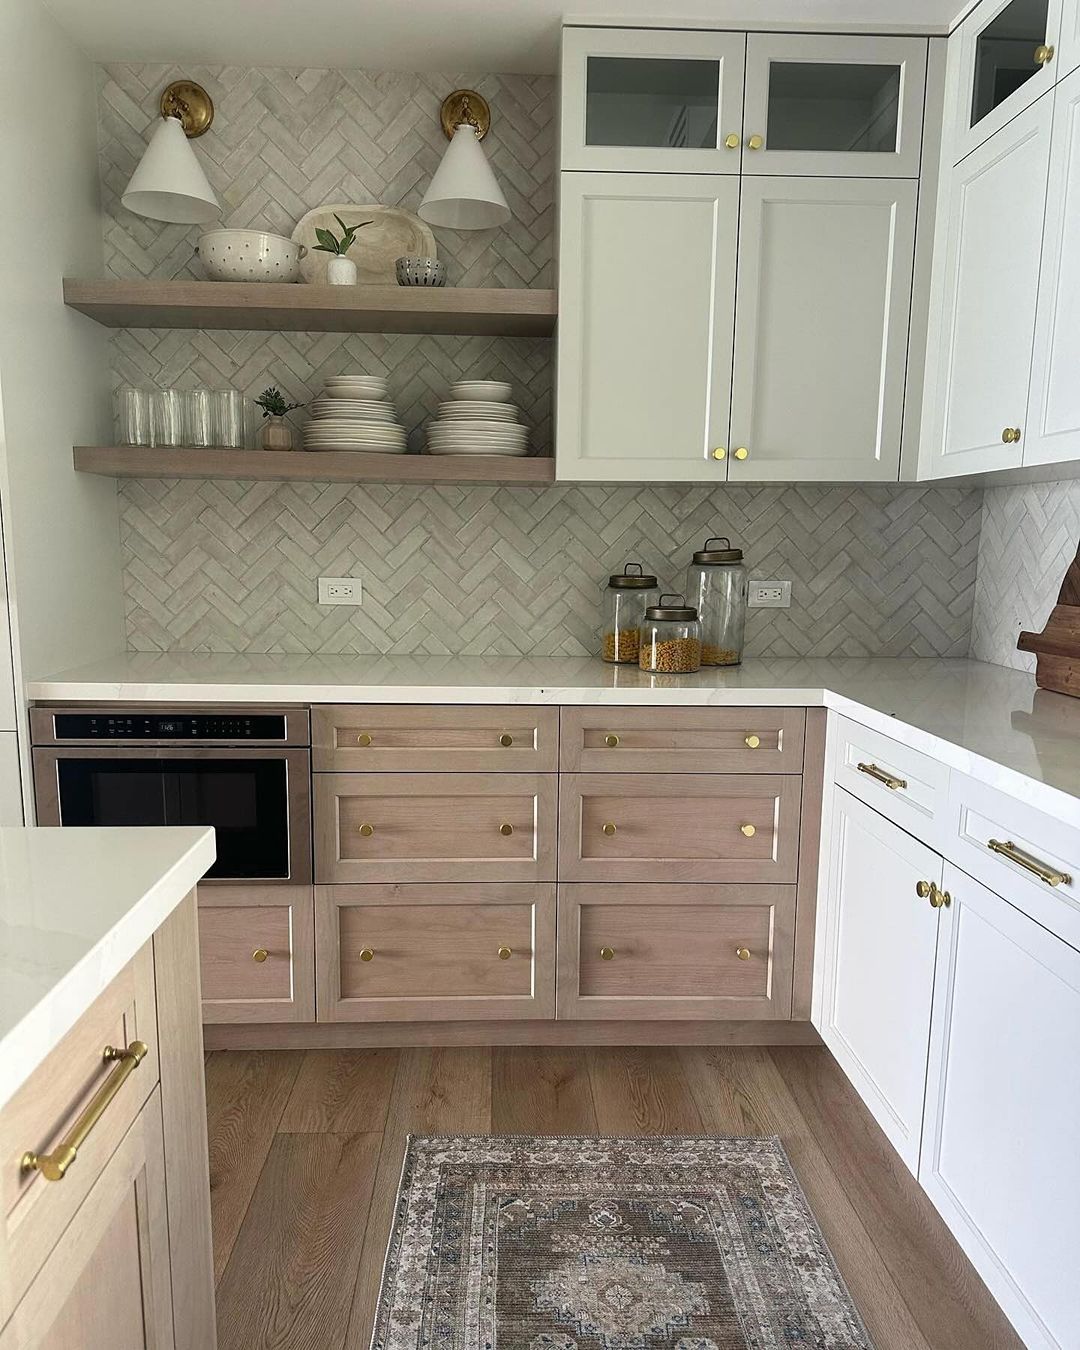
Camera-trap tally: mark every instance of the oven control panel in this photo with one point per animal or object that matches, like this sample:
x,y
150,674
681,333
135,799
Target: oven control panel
x,y
155,726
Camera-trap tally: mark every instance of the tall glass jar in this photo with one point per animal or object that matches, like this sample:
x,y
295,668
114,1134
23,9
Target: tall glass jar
x,y
624,600
716,584
670,638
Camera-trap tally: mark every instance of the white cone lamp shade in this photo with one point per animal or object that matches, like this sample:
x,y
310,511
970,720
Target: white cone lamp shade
x,y
169,183
464,194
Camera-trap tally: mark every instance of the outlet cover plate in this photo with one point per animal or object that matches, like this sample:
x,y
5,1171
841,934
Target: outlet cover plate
x,y
770,595
340,591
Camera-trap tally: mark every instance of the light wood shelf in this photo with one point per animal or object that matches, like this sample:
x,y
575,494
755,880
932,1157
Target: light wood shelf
x,y
326,466
324,309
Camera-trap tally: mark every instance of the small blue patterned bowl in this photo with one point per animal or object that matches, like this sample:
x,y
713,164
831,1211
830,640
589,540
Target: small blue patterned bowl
x,y
420,272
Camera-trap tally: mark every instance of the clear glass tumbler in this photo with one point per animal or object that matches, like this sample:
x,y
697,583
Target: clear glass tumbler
x,y
227,418
133,416
198,430
166,417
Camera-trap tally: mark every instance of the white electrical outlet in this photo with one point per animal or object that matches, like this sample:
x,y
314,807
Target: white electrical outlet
x,y
340,591
770,595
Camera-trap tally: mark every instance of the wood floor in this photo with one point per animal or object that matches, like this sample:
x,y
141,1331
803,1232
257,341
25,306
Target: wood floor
x,y
306,1150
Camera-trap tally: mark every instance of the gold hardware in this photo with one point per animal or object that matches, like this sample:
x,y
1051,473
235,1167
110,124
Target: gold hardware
x,y
743,953
742,453
756,142
752,741
611,740
1050,875
190,104
506,739
1043,53
364,738
367,830
1010,435
53,1166
607,954
367,954
732,141
939,899
719,453
880,776
609,828
748,830
465,105
923,889
259,954
506,828
505,953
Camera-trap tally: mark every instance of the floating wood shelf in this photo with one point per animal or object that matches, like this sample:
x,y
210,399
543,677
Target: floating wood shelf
x,y
324,309
325,466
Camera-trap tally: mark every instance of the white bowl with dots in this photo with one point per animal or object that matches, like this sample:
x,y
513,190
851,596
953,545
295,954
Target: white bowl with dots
x,y
249,255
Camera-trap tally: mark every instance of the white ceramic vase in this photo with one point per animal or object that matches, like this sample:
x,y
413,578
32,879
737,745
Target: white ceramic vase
x,y
340,271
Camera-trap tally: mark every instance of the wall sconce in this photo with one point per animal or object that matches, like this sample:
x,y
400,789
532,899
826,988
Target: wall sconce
x,y
464,194
169,183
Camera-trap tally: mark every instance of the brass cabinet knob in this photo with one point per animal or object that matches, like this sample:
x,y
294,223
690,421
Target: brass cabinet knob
x,y
1010,435
506,739
364,738
609,827
506,828
1043,53
939,899
743,953
607,954
719,453
368,954
366,830
742,453
923,889
748,830
611,740
752,741
259,954
505,953
756,142
732,140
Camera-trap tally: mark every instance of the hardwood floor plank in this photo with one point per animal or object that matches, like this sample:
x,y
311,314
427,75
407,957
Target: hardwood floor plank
x,y
938,1283
246,1093
641,1090
341,1092
541,1091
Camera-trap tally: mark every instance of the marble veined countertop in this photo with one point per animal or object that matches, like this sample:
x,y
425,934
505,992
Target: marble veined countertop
x,y
984,720
75,907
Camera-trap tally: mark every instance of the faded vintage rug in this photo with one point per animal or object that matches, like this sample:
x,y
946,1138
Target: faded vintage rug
x,y
521,1242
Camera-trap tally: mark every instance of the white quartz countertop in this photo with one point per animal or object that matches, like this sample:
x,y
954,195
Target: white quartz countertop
x,y
984,720
75,907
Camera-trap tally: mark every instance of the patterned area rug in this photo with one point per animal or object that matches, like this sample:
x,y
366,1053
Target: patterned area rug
x,y
519,1242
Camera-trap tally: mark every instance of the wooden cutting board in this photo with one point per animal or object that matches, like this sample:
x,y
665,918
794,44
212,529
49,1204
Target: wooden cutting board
x,y
1057,647
393,233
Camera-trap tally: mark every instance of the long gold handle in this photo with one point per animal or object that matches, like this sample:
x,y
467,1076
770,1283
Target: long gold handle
x,y
743,953
607,954
506,828
363,739
1010,435
611,740
1042,870
756,142
742,453
53,1166
367,954
367,830
505,953
748,830
880,776
609,827
719,453
506,739
259,955
752,742
1043,53
732,140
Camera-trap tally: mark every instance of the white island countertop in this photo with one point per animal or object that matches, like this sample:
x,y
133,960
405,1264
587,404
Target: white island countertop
x,y
75,907
984,720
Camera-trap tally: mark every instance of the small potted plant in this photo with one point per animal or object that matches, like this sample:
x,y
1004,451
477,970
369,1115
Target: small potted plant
x,y
276,433
340,270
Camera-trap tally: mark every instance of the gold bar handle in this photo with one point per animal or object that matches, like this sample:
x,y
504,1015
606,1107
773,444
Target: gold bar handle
x,y
1050,875
53,1166
880,776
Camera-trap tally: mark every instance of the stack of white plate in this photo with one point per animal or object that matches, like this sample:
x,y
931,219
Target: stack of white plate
x,y
478,419
354,413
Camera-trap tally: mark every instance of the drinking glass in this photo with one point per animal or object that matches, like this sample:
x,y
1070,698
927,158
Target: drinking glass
x,y
227,418
166,417
197,422
133,416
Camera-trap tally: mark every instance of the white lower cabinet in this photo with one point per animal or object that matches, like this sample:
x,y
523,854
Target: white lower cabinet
x,y
1000,1157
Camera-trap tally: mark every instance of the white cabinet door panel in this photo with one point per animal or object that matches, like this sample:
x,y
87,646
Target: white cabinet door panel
x,y
821,328
880,943
647,295
1000,1157
1068,52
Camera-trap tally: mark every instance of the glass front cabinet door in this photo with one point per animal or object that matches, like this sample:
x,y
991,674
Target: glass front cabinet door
x,y
652,102
843,106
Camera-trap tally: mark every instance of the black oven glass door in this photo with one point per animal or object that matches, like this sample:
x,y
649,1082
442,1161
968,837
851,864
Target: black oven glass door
x,y
246,801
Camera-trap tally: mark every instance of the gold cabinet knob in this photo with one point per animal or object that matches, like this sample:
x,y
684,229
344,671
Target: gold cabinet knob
x,y
742,453
939,899
756,142
923,889
506,739
748,830
505,953
719,453
752,742
611,740
743,953
506,828
259,954
1010,435
367,954
608,827
1043,54
364,738
732,140
366,830
607,954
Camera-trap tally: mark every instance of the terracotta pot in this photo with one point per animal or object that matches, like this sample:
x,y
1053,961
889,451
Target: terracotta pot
x,y
276,434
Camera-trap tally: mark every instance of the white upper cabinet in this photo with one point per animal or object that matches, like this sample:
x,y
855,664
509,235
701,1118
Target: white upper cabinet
x,y
652,101
1006,59
647,297
824,297
1052,433
827,105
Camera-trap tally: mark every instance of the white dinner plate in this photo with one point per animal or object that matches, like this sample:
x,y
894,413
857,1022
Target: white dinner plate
x,y
488,390
511,450
480,424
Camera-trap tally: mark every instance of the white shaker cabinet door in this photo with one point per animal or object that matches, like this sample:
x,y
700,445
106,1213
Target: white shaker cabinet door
x,y
880,943
995,199
821,329
647,295
1000,1158
1052,433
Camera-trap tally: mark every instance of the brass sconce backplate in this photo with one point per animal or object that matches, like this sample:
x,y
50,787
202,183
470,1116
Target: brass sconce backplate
x,y
465,105
190,103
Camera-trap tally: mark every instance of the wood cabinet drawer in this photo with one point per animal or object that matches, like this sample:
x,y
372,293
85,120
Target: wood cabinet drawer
x,y
403,953
681,827
399,737
906,786
43,1111
682,740
257,953
435,827
673,951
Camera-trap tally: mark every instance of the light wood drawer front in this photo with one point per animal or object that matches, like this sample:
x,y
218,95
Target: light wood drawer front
x,y
436,952
906,786
257,953
1039,871
391,737
682,740
435,827
675,951
682,827
41,1114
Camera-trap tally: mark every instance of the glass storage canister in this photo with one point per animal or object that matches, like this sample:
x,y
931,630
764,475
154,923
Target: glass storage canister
x,y
716,583
624,602
670,638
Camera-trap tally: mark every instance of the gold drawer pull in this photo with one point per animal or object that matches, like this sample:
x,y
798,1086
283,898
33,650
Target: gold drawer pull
x,y
742,453
1044,53
880,776
259,955
719,453
53,1166
607,954
756,142
1050,875
748,830
506,828
733,140
367,954
609,827
611,740
506,739
363,739
752,742
1010,435
743,953
505,953
927,890
366,830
